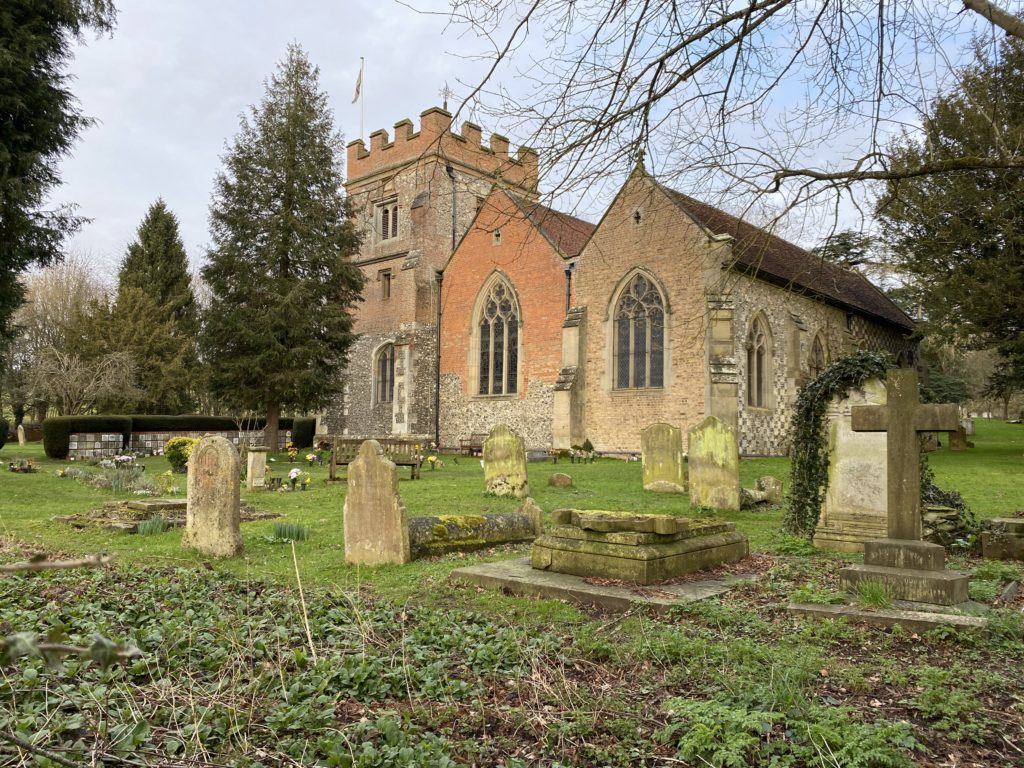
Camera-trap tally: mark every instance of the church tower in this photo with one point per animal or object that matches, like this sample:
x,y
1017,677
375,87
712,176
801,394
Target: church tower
x,y
414,196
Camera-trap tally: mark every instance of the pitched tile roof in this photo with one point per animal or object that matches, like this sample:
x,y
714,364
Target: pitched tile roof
x,y
771,258
566,233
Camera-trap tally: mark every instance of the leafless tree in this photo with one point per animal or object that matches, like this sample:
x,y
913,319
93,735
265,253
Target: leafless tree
x,y
777,101
75,384
57,298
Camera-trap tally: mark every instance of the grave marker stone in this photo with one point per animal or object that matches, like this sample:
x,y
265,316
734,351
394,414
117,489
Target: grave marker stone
x,y
256,467
376,530
714,466
21,435
661,451
212,517
853,510
504,457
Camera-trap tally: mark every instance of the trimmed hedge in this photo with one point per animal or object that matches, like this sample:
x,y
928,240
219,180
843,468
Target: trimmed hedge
x,y
57,431
303,431
199,423
4,427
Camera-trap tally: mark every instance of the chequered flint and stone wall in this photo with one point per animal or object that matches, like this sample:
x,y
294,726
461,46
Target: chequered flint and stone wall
x,y
104,445
794,321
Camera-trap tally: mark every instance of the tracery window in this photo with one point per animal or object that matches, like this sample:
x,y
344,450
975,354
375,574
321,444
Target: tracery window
x,y
384,379
758,363
498,331
640,336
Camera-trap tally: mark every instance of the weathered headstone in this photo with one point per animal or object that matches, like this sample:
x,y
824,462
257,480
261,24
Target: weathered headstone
x,y
853,510
256,467
714,466
560,480
1003,539
504,457
212,518
771,487
958,439
376,530
21,435
661,451
910,568
968,425
636,547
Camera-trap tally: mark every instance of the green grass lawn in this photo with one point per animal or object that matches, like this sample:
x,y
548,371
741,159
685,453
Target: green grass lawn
x,y
398,667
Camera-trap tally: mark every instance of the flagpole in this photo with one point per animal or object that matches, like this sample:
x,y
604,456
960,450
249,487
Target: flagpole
x,y
362,98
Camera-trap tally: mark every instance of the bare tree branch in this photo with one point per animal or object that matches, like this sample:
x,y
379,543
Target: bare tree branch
x,y
1006,21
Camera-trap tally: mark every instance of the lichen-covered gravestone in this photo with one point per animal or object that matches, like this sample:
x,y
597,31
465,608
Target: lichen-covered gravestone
x,y
256,467
853,510
376,531
212,517
714,466
661,450
505,463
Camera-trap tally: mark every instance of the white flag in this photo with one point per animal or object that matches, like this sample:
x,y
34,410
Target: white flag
x,y
359,84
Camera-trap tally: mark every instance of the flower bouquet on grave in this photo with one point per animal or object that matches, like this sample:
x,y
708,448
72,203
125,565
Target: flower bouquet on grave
x,y
293,451
306,480
293,476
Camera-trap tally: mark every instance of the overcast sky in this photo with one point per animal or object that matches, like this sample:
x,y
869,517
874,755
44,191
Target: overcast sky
x,y
168,87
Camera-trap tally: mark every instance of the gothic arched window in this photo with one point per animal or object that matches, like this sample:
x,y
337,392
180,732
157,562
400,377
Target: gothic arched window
x,y
384,378
758,363
639,336
819,357
498,330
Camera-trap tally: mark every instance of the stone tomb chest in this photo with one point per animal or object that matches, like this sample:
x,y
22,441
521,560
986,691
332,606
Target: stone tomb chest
x,y
640,548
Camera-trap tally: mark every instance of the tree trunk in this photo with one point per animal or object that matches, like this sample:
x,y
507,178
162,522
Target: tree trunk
x,y
18,410
41,408
270,430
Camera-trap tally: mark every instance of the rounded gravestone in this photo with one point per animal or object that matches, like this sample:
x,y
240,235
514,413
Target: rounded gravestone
x,y
212,517
560,480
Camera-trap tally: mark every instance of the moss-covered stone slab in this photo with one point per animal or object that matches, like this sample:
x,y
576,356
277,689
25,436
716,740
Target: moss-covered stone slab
x,y
519,578
436,535
156,505
714,466
914,621
1003,539
608,521
609,545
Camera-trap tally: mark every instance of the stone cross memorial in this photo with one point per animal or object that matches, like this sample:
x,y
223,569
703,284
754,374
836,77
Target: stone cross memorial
x,y
504,457
213,516
909,568
901,419
661,449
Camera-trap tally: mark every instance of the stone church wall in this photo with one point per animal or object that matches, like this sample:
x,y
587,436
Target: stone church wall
x,y
530,416
671,249
794,321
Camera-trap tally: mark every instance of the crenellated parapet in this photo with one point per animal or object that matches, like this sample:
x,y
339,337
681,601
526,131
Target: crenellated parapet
x,y
436,139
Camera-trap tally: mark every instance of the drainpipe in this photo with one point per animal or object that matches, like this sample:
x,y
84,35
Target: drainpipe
x,y
439,276
568,287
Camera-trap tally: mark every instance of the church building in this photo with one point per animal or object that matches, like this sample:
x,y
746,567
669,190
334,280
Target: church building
x,y
483,306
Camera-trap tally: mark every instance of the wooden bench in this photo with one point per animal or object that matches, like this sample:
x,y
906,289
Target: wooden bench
x,y
404,453
473,445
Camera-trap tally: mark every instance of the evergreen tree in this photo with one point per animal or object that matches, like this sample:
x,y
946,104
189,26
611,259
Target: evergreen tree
x,y
38,124
163,358
156,263
959,237
277,329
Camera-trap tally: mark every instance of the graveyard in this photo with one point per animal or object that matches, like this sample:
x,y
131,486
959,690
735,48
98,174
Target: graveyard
x,y
267,650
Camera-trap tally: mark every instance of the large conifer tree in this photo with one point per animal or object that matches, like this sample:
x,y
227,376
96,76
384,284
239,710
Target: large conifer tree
x,y
39,121
156,263
278,327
